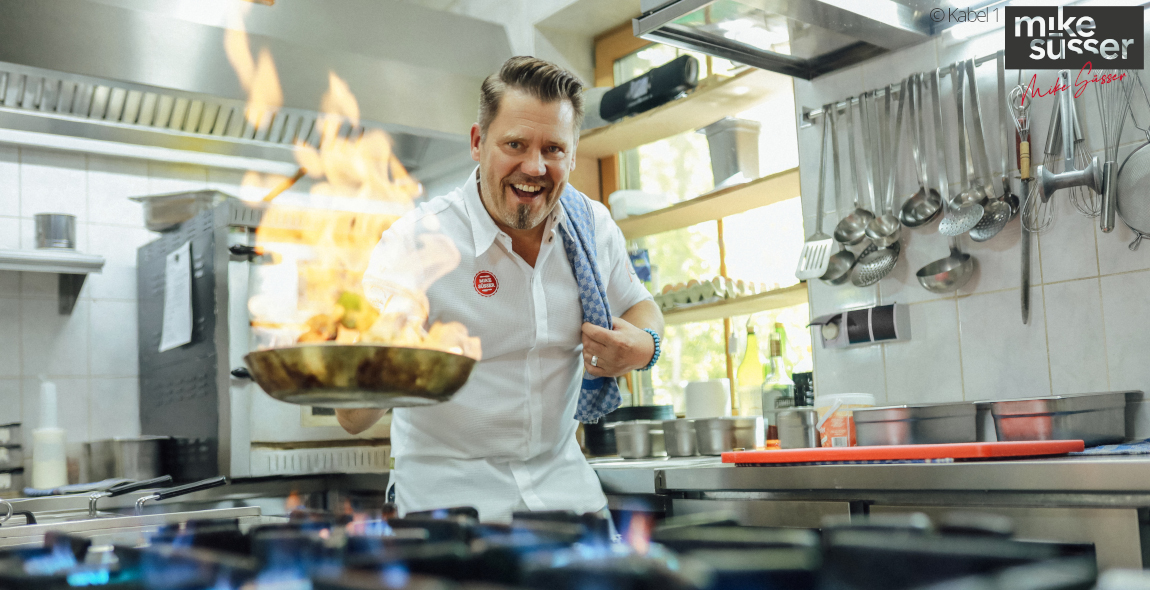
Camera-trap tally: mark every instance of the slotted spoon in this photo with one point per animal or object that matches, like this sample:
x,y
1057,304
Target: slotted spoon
x,y
961,216
816,254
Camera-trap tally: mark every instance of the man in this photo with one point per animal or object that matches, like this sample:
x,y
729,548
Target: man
x,y
506,441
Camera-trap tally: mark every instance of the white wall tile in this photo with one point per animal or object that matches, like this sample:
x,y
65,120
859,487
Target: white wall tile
x,y
10,402
1068,245
72,408
115,408
113,338
9,283
110,182
926,368
1001,357
53,182
1127,329
9,338
999,261
9,233
39,285
54,344
1114,254
1075,337
164,177
850,370
118,246
9,181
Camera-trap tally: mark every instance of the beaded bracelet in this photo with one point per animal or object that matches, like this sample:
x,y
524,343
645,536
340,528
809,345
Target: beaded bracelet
x,y
655,357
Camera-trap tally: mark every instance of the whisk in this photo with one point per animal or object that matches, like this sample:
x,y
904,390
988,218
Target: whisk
x,y
1113,104
1038,213
1084,199
1020,112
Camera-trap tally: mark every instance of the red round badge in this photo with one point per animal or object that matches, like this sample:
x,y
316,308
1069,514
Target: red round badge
x,y
485,283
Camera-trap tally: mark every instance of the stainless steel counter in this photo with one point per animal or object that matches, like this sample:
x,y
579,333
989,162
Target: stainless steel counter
x,y
1101,500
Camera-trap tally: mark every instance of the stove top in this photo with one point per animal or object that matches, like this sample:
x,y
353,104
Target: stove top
x,y
449,549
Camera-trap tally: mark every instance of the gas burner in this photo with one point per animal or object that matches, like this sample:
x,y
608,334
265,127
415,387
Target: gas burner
x,y
451,550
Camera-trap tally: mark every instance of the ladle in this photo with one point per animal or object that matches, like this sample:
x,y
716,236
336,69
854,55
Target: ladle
x,y
840,263
959,216
996,212
884,231
852,228
947,274
921,207
1090,177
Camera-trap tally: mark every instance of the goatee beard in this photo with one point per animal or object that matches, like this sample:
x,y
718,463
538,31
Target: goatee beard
x,y
523,217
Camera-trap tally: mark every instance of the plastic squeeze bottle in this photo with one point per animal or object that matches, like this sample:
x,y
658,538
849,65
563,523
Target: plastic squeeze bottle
x,y
49,463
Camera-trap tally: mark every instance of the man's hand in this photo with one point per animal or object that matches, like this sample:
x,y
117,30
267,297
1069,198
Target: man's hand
x,y
356,420
618,351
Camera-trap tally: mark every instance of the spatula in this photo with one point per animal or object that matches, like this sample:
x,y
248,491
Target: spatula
x,y
817,249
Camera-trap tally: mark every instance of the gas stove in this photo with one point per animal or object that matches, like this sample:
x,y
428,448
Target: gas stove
x,y
450,549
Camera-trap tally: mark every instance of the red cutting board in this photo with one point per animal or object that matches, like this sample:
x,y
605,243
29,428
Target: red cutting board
x,y
983,450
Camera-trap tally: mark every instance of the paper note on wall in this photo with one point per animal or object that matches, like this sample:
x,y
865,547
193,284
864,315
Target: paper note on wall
x,y
177,327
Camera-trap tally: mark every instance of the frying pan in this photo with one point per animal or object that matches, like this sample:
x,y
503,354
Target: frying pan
x,y
358,375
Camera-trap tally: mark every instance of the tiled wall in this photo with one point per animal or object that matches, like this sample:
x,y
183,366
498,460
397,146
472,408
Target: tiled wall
x,y
1089,324
90,354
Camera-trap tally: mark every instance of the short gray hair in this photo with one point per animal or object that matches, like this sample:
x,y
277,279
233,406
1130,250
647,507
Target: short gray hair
x,y
539,78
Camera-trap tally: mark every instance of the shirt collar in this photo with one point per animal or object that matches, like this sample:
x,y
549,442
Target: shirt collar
x,y
483,228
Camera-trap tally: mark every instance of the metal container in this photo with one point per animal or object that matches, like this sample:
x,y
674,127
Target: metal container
x,y
131,458
164,212
797,428
916,424
55,230
715,436
11,457
639,439
1093,418
679,436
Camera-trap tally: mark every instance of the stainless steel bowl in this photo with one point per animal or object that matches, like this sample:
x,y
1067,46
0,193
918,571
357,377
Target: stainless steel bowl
x,y
640,439
716,436
680,438
916,424
359,375
797,428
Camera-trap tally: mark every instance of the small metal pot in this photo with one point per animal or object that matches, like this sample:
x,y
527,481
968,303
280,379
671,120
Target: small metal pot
x,y
55,230
715,436
680,438
797,428
131,458
639,439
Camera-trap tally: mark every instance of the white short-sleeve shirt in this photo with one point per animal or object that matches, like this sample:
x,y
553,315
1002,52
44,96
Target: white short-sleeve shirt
x,y
506,441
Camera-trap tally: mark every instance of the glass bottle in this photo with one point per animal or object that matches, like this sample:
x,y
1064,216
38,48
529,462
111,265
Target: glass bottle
x,y
778,390
749,378
782,332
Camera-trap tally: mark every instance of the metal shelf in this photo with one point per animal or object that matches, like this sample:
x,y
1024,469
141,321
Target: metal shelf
x,y
725,308
712,100
717,205
73,267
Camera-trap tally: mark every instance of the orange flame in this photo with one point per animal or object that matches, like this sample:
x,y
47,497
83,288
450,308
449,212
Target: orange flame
x,y
360,188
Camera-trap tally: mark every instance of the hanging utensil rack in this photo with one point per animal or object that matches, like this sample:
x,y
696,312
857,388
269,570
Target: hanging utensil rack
x,y
809,116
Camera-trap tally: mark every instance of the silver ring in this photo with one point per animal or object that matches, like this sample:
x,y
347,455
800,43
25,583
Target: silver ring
x,y
594,361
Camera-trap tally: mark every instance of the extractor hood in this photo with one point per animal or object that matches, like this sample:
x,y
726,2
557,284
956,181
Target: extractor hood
x,y
152,80
800,38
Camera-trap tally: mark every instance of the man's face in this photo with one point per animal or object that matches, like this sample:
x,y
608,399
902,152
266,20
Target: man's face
x,y
525,158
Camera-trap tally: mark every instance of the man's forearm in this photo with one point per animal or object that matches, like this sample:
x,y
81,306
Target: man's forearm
x,y
645,314
356,420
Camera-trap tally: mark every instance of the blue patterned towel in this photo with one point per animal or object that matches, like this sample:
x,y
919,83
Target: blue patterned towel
x,y
1138,447
599,395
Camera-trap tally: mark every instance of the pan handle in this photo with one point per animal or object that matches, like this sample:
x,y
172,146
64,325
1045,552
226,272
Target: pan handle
x,y
242,373
191,487
132,486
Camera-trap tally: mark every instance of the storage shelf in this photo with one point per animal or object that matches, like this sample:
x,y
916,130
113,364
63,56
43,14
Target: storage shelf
x,y
717,205
73,267
712,100
778,298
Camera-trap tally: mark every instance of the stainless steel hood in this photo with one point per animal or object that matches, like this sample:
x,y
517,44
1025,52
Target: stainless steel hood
x,y
155,74
800,38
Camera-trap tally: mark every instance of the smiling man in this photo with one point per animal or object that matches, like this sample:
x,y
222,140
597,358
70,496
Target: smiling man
x,y
542,271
